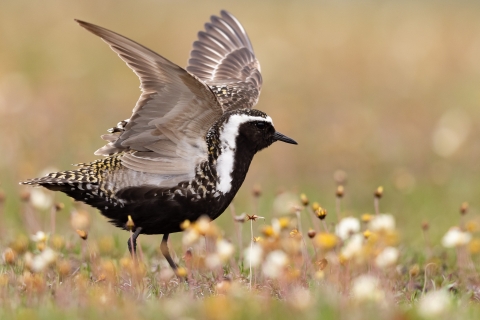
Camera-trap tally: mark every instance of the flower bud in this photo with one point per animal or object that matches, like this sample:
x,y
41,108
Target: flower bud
x,y
304,199
378,193
464,208
130,225
340,191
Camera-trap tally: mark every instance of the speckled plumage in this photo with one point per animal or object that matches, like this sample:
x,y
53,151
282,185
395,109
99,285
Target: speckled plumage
x,y
187,147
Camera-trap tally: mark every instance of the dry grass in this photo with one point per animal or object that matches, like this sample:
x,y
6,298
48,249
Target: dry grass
x,y
276,269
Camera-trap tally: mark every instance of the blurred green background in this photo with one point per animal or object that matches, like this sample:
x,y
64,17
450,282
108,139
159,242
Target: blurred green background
x,y
387,91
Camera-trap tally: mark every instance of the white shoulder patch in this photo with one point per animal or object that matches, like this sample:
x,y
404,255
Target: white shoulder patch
x,y
228,139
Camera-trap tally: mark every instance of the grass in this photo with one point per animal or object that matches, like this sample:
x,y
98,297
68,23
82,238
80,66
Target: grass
x,y
386,92
347,266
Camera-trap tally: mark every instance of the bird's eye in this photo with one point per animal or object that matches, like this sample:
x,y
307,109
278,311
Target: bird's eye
x,y
260,125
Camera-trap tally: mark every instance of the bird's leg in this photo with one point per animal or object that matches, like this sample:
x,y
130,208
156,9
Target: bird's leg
x,y
133,241
166,253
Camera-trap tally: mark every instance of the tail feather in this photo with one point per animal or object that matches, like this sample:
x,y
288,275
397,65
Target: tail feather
x,y
84,184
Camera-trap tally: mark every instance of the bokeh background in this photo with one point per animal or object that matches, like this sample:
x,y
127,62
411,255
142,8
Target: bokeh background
x,y
386,91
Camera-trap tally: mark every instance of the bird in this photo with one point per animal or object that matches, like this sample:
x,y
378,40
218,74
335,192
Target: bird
x,y
187,147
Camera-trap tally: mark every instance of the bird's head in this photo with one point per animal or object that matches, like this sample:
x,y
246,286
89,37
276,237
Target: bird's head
x,y
252,128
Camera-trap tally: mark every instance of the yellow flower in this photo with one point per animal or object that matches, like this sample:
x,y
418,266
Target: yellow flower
x,y
367,234
325,241
474,246
366,217
182,272
471,226
185,224
284,222
268,231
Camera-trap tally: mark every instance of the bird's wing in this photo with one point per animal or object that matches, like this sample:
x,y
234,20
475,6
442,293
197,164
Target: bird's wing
x,y
166,132
223,58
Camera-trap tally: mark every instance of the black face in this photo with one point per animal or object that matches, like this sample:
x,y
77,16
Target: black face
x,y
259,133
262,134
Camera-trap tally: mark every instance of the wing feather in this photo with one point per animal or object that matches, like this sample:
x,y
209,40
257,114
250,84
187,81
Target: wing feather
x,y
223,58
165,134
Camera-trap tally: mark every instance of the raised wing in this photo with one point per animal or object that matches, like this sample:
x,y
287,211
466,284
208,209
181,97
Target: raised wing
x,y
165,134
223,58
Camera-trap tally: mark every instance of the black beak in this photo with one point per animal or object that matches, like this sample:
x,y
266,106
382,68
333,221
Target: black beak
x,y
280,137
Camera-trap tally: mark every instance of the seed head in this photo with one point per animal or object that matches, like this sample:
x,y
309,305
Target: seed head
x,y
293,233
322,264
57,242
304,199
378,193
464,208
414,270
254,217
311,233
82,233
64,267
321,213
425,225
257,191
130,225
20,244
9,256
25,196
340,191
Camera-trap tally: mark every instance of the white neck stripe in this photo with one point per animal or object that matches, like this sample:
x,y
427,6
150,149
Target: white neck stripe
x,y
228,138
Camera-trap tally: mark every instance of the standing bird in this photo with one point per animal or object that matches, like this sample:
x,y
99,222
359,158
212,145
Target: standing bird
x,y
187,147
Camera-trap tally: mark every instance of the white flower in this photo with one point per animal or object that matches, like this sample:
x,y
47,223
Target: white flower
x,y
434,304
213,261
190,236
41,261
382,222
40,200
365,288
224,249
275,263
253,255
346,227
455,238
353,247
387,257
40,236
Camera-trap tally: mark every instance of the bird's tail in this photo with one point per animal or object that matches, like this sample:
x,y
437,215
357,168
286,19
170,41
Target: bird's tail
x,y
56,180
